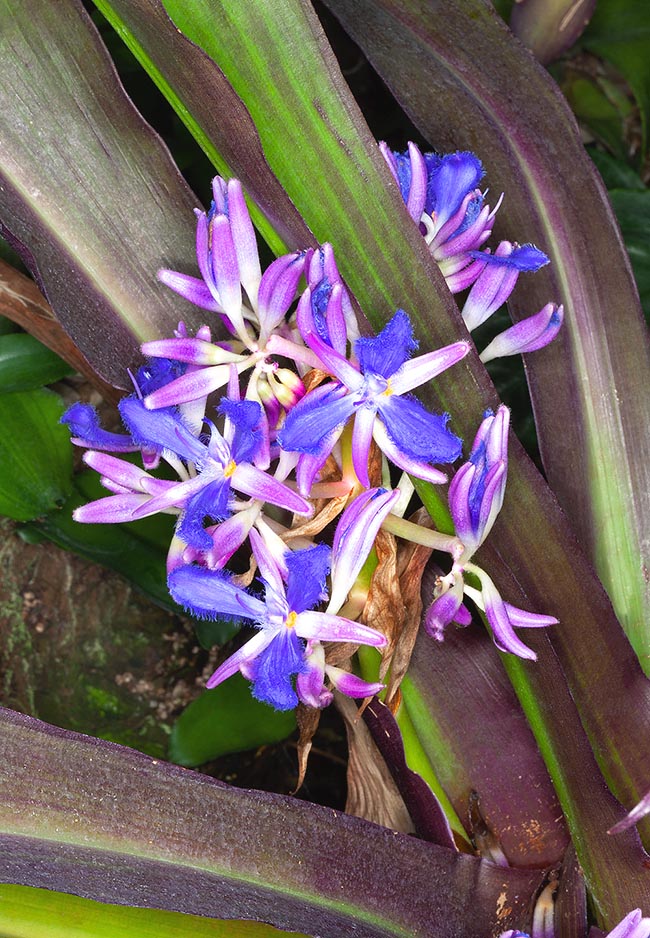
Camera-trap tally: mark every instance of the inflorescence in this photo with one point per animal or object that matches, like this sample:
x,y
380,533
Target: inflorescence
x,y
287,429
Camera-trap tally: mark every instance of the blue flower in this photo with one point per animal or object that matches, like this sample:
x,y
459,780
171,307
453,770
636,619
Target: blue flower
x,y
277,653
376,394
220,465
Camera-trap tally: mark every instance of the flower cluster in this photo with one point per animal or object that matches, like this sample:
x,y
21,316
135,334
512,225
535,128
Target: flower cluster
x,y
442,195
293,421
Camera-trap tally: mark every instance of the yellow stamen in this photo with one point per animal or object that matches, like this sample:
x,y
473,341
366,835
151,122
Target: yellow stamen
x,y
230,468
388,391
290,621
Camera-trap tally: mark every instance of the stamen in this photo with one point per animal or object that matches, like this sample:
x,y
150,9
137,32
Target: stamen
x,y
230,468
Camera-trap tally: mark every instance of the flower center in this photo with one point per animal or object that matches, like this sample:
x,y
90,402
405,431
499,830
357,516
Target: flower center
x,y
230,468
290,621
375,386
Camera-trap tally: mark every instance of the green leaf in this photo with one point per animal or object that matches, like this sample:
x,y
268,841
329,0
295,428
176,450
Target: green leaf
x,y
7,327
35,454
619,31
598,104
215,632
617,174
107,823
226,719
39,913
25,363
88,192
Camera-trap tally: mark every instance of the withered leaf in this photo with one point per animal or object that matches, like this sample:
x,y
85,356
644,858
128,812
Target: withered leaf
x,y
320,520
308,719
384,609
410,584
372,793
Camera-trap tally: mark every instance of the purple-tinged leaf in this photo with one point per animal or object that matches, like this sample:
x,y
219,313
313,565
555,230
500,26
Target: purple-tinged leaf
x,y
591,389
550,27
489,760
588,803
198,846
571,898
216,116
638,812
460,683
89,195
423,806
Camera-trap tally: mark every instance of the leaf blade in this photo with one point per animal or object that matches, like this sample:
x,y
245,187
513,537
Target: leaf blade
x,y
204,848
26,912
97,260
35,453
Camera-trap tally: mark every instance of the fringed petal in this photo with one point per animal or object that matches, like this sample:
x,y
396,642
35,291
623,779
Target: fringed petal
x,y
386,353
209,594
418,433
306,577
310,422
83,421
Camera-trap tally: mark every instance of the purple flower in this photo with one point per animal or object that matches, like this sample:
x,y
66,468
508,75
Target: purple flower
x,y
497,279
447,608
223,464
476,495
354,539
632,926
252,305
453,217
441,195
477,490
325,307
311,686
226,252
504,618
376,394
285,619
435,185
411,172
83,421
227,256
528,335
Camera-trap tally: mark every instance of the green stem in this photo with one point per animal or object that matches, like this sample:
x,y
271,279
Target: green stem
x,y
419,535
